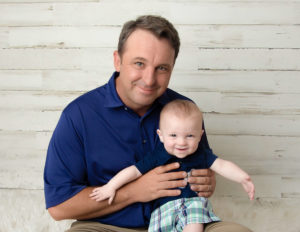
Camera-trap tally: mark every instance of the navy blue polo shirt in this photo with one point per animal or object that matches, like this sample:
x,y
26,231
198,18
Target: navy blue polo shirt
x,y
96,137
202,158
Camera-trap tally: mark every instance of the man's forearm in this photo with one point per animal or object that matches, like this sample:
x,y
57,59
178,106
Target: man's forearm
x,y
81,207
159,182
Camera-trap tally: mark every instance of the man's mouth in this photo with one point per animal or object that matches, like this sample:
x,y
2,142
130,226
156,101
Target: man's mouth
x,y
147,90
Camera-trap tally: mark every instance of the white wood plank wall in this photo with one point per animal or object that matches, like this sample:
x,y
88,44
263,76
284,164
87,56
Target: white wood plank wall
x,y
240,61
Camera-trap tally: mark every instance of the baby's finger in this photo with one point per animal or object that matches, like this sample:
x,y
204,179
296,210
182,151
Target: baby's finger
x,y
92,194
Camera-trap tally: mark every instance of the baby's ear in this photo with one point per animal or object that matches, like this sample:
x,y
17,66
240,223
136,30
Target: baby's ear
x,y
159,135
201,135
202,132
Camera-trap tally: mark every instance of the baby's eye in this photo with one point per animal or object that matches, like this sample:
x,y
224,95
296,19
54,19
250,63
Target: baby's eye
x,y
190,136
173,135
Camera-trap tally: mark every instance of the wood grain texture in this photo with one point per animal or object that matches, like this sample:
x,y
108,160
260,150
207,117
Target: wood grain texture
x,y
239,61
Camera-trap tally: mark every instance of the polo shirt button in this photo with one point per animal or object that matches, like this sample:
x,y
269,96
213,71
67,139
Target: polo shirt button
x,y
125,108
144,141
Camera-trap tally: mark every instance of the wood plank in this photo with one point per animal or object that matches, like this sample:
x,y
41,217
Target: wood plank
x,y
246,103
28,120
64,37
238,59
96,13
255,147
65,59
54,80
273,186
229,36
30,143
236,81
239,36
259,155
21,79
266,186
4,32
272,125
22,171
38,100
40,59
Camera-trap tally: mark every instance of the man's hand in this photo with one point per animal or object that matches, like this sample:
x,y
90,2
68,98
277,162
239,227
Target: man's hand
x,y
203,181
157,183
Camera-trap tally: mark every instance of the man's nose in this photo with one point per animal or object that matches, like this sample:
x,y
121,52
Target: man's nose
x,y
149,76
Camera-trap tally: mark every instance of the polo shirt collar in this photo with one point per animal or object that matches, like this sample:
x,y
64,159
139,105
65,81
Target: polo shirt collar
x,y
112,98
164,99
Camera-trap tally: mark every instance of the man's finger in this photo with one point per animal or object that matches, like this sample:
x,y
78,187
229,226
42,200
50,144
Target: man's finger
x,y
166,168
169,193
202,172
200,180
202,188
172,184
172,176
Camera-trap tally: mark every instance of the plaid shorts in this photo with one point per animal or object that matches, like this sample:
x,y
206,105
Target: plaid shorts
x,y
173,216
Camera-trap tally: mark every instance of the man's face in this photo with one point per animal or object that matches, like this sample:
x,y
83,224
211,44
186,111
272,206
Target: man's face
x,y
145,70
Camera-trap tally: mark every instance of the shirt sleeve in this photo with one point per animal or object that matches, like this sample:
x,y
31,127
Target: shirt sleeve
x,y
210,157
152,159
64,173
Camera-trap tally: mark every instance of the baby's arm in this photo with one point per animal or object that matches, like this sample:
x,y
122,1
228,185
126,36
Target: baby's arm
x,y
109,190
233,172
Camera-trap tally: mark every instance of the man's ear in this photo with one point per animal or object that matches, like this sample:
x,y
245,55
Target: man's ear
x,y
160,135
117,61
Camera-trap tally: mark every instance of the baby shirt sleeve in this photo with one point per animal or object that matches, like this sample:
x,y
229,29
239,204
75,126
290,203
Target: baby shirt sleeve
x,y
153,159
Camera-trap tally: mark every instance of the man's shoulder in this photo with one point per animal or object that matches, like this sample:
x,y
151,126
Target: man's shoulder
x,y
171,95
89,98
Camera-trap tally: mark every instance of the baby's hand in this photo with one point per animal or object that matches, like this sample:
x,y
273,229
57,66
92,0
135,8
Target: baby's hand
x,y
102,193
249,187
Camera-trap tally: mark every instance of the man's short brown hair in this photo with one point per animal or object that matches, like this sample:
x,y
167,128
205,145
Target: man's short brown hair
x,y
157,25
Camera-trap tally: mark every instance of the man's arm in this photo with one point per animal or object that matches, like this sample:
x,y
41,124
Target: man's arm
x,y
157,183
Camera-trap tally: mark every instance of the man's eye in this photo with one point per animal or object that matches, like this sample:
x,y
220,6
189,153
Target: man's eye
x,y
140,64
162,68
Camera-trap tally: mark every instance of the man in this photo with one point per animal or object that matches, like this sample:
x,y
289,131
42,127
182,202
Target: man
x,y
112,127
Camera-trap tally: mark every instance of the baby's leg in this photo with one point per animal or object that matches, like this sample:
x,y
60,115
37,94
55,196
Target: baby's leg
x,y
195,227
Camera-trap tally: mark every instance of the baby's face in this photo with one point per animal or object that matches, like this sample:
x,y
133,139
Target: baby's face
x,y
180,136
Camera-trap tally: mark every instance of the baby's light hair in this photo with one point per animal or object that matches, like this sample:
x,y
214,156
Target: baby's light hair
x,y
181,108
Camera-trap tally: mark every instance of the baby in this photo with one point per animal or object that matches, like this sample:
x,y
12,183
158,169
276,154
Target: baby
x,y
180,131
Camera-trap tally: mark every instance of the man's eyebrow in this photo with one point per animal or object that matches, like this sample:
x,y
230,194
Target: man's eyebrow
x,y
145,60
139,58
